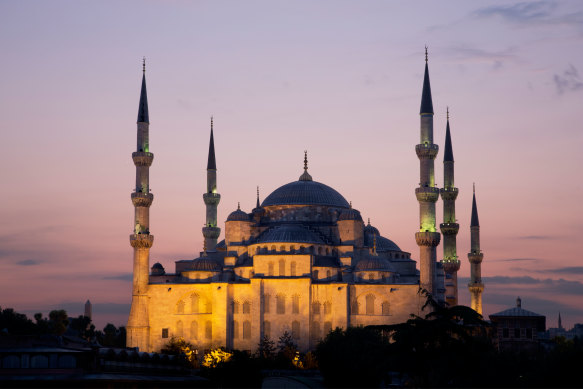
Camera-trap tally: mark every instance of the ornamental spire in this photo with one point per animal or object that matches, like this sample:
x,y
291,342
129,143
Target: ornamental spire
x,y
143,107
426,101
211,161
257,205
448,151
475,221
305,176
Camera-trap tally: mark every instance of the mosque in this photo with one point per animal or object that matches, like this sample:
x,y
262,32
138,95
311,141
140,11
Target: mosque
x,y
302,261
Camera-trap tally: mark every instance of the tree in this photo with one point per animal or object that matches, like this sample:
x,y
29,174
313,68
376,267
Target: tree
x,y
266,348
287,350
180,347
15,323
58,321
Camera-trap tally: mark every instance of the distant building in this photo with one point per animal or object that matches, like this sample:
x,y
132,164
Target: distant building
x,y
87,309
518,329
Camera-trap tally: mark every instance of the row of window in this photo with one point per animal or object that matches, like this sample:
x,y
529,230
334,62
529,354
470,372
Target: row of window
x,y
197,305
292,249
208,330
369,306
517,333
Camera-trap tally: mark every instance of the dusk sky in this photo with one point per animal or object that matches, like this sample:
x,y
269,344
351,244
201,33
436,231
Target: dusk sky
x,y
341,79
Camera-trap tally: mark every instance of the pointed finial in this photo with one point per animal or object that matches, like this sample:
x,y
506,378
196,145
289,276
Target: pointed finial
x,y
369,221
305,176
258,205
474,187
144,64
351,204
238,206
426,58
211,122
447,113
374,244
306,160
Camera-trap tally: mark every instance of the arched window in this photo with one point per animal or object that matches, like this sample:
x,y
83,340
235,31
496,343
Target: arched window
x,y
235,307
293,269
266,303
235,329
270,269
370,304
194,330
327,251
273,248
371,276
327,308
180,307
179,329
267,328
315,332
281,248
194,303
280,304
316,308
315,274
295,303
385,307
208,330
246,329
281,267
246,307
320,250
208,306
327,327
295,330
354,308
292,248
328,274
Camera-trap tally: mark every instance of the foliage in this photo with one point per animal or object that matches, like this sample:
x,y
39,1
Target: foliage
x,y
82,326
355,357
235,369
112,336
216,357
179,346
287,351
266,348
58,321
14,323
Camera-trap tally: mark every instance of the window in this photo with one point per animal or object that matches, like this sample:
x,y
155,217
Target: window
x,y
235,307
327,327
164,333
208,330
280,304
295,303
529,333
316,308
266,303
328,274
316,330
295,330
270,269
235,329
246,307
273,248
370,304
267,329
327,308
194,330
180,307
293,269
246,329
208,306
281,267
505,333
354,307
371,277
315,274
385,308
194,303
517,332
179,329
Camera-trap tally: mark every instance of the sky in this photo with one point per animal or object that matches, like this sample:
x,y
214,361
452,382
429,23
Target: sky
x,y
340,79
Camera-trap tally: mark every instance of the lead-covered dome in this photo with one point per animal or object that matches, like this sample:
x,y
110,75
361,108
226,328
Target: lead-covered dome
x,y
305,192
205,264
289,233
373,263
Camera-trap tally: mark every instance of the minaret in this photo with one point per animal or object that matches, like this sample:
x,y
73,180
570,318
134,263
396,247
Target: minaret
x,y
138,329
427,194
475,256
449,228
211,198
87,312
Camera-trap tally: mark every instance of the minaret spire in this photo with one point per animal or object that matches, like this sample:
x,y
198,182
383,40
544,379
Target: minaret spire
x,y
258,203
305,176
211,198
138,328
449,228
475,256
427,194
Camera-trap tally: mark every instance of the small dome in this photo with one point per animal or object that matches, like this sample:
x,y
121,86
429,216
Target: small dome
x,y
289,233
158,269
383,244
368,229
238,216
350,214
206,264
373,263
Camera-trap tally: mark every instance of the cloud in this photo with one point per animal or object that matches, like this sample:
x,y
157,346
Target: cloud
x,y
464,53
531,14
559,286
29,262
74,308
569,270
119,277
514,259
536,237
569,81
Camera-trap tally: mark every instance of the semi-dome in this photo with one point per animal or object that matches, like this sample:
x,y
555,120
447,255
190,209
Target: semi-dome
x,y
383,244
373,263
350,214
238,216
205,264
158,269
305,192
289,233
370,230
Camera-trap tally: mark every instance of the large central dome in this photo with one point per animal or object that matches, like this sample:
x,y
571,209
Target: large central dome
x,y
305,192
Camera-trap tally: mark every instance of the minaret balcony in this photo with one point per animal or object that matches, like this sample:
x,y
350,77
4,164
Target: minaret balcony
x,y
427,194
449,228
476,257
143,241
211,232
450,266
475,287
426,150
142,158
427,238
142,199
211,198
449,193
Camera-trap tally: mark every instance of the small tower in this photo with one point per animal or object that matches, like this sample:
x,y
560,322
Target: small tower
x,y
475,257
427,194
138,328
211,198
87,312
449,228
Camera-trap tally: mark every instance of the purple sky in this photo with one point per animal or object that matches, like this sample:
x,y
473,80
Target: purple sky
x,y
341,79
